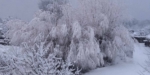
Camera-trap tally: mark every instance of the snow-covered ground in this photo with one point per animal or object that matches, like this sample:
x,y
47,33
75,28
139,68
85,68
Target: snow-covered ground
x,y
128,68
8,50
4,49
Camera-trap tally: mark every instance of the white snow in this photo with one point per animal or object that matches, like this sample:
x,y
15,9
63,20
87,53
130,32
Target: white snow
x,y
129,68
1,29
122,68
3,48
148,36
8,50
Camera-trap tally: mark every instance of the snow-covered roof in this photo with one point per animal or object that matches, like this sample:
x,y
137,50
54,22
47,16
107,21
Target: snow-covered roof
x,y
1,29
140,36
148,36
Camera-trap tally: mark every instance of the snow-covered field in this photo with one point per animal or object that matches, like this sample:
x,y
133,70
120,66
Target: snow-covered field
x,y
122,68
128,68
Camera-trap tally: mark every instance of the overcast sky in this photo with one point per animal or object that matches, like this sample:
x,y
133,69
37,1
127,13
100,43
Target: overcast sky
x,y
25,9
139,9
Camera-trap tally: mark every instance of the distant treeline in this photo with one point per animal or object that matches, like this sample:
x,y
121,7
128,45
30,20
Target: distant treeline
x,y
141,27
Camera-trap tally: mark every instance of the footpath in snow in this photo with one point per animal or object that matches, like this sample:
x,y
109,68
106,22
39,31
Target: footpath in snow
x,y
128,68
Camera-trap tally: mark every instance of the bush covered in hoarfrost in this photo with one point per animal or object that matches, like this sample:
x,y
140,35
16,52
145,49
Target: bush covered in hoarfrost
x,y
34,62
88,36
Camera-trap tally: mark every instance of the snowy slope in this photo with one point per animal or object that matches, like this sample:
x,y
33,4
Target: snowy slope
x,y
128,68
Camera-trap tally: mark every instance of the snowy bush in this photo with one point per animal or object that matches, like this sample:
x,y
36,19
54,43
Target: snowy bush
x,y
34,62
88,36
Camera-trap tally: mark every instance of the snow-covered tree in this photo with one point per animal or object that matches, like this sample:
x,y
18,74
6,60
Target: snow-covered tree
x,y
15,27
88,36
104,17
54,7
84,47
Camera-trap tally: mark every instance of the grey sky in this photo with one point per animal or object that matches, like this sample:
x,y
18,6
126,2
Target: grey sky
x,y
25,9
139,9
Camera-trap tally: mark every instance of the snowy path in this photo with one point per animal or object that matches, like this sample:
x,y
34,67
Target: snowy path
x,y
129,68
